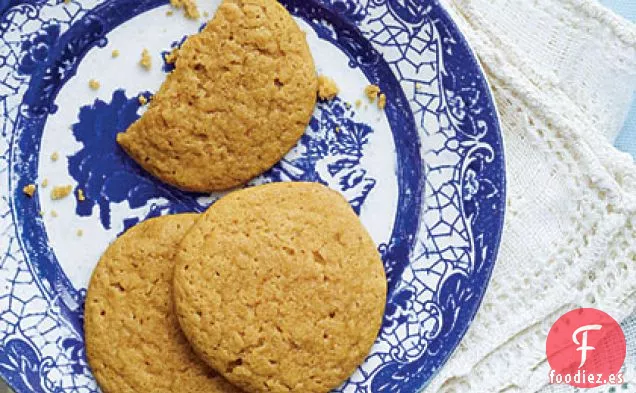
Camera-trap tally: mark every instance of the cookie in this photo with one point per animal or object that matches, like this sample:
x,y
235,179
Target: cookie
x,y
241,96
280,288
133,339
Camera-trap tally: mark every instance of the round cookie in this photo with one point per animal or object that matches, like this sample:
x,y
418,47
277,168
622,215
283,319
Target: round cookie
x,y
280,288
241,96
133,340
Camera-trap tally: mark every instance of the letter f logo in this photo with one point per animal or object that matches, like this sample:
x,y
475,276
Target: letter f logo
x,y
584,348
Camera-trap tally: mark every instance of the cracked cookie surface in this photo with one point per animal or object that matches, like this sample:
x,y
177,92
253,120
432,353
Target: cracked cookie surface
x,y
133,339
241,96
280,288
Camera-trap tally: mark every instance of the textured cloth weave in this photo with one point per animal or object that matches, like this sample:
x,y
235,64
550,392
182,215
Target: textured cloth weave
x,y
626,140
563,73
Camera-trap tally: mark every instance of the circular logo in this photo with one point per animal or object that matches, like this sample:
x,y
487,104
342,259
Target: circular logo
x,y
586,348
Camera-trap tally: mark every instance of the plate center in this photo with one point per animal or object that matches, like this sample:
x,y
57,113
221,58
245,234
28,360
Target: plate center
x,y
349,147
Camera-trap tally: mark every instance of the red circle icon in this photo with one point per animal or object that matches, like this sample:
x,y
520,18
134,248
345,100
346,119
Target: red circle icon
x,y
586,348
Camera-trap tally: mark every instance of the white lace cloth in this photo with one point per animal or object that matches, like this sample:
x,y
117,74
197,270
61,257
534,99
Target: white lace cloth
x,y
563,73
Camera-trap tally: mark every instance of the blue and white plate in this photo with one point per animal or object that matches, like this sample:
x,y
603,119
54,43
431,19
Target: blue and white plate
x,y
426,175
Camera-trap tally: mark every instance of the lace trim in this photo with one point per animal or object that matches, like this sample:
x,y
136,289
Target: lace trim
x,y
590,263
622,28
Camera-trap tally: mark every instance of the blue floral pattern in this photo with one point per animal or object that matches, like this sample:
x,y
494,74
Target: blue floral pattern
x,y
328,153
105,172
449,168
37,48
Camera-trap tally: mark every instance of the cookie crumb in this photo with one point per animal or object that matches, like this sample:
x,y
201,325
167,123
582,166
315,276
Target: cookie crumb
x,y
169,13
67,1
93,84
327,88
146,60
80,233
419,86
55,156
61,192
29,190
41,213
358,103
382,101
189,7
45,183
53,213
206,14
171,57
372,92
115,53
175,101
80,195
142,99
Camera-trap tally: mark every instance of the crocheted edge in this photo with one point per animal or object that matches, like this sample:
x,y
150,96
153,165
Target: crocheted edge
x,y
622,28
610,163
509,73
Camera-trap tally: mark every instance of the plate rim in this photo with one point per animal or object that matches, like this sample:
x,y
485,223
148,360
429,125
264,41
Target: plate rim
x,y
449,21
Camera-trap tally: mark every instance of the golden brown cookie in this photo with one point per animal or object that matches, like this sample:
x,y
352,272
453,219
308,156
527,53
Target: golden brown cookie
x,y
241,96
133,340
280,288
